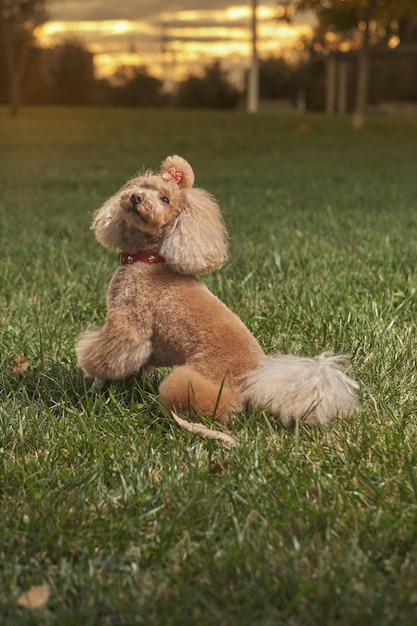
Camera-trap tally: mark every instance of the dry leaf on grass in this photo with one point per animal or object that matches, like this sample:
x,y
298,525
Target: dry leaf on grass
x,y
203,431
35,598
19,364
217,469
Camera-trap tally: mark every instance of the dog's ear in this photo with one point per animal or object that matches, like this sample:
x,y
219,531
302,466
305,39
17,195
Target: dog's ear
x,y
108,224
175,168
198,243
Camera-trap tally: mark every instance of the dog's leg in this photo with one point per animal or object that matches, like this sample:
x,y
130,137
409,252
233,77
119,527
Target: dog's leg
x,y
114,352
186,390
99,384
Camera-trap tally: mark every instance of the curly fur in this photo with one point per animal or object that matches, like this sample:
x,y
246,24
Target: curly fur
x,y
163,315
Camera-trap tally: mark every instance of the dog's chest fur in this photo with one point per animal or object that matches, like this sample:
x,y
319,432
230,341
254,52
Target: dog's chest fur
x,y
183,319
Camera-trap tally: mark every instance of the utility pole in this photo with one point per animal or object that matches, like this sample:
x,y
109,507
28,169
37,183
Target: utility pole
x,y
253,76
168,59
164,47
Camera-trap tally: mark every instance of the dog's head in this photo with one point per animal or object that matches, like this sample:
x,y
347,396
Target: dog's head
x,y
162,212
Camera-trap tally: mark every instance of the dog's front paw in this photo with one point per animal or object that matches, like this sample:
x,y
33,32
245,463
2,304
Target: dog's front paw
x,y
99,384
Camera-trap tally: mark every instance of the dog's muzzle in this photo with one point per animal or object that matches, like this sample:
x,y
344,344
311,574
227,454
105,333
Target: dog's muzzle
x,y
135,199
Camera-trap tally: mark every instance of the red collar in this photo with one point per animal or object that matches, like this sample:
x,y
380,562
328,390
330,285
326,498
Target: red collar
x,y
145,257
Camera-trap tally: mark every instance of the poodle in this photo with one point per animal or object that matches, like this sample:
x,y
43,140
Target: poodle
x,y
160,314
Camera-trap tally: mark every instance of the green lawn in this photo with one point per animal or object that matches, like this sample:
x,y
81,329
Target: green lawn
x,y
127,518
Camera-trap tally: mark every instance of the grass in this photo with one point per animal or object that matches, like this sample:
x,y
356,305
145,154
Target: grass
x,y
128,519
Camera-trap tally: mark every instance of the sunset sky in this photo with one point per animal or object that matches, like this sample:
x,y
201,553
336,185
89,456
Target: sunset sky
x,y
171,43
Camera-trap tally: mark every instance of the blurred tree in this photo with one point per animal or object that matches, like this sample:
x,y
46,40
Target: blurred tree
x,y
354,24
4,81
18,21
135,87
70,73
212,90
277,79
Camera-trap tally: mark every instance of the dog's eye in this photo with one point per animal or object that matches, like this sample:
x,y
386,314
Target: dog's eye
x,y
165,199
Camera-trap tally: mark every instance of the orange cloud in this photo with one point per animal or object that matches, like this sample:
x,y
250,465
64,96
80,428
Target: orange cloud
x,y
176,42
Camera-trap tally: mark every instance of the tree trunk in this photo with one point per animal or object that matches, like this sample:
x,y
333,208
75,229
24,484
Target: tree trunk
x,y
362,81
16,62
342,94
331,76
361,90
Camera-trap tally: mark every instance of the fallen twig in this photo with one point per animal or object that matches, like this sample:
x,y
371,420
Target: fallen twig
x,y
203,431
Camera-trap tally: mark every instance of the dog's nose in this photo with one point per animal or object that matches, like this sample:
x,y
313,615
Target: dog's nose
x,y
135,199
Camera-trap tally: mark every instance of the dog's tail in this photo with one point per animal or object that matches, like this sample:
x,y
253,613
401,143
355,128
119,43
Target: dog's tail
x,y
312,390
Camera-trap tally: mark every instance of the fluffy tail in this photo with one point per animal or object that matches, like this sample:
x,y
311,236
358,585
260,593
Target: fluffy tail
x,y
312,390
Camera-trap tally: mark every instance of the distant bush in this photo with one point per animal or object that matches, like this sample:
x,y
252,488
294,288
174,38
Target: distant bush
x,y
212,90
135,87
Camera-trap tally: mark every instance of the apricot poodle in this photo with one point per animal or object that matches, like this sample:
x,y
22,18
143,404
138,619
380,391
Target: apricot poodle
x,y
160,314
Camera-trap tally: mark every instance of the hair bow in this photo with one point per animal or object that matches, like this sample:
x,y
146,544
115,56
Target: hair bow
x,y
177,176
